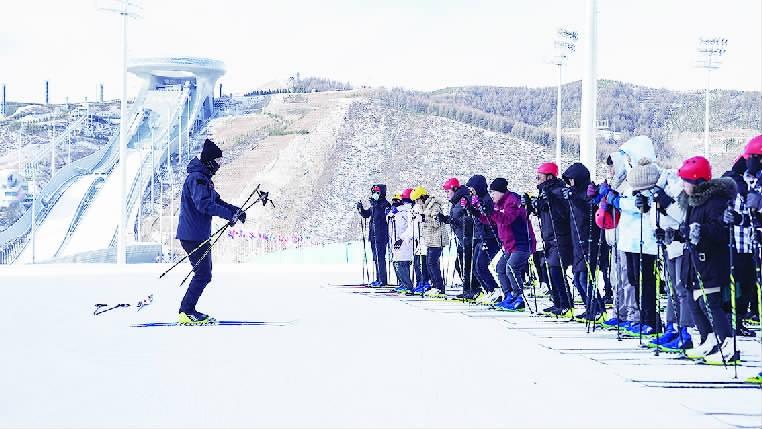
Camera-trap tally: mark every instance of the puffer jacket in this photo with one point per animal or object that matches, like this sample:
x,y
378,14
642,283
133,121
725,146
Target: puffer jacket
x,y
199,202
553,212
461,222
513,227
708,261
434,232
399,224
415,230
629,153
483,229
378,232
584,231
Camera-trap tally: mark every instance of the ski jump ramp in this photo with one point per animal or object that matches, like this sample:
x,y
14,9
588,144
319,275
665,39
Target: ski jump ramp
x,y
82,216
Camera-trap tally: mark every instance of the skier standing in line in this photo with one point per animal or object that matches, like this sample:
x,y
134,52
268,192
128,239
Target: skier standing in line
x,y
402,253
553,212
486,244
517,237
462,225
378,232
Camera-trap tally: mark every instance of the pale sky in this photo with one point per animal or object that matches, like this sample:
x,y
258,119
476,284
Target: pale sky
x,y
416,44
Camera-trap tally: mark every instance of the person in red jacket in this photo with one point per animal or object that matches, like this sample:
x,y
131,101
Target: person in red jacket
x,y
517,237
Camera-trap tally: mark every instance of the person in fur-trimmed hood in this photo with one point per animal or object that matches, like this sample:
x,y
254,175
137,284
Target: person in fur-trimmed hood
x,y
433,234
707,263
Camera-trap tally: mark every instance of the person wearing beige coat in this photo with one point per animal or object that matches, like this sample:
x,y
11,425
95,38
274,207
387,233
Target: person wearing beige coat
x,y
433,233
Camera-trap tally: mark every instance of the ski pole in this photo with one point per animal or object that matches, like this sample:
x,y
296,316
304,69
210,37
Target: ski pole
x,y
694,259
640,282
586,299
227,225
619,286
672,288
219,231
365,271
565,287
732,292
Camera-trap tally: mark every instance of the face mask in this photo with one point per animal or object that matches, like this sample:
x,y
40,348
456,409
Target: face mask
x,y
375,196
753,165
213,166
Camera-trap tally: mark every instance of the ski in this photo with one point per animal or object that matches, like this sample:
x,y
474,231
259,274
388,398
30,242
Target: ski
x,y
217,323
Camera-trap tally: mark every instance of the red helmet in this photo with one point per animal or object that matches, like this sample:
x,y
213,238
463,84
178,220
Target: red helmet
x,y
450,184
406,193
607,219
753,147
696,168
548,168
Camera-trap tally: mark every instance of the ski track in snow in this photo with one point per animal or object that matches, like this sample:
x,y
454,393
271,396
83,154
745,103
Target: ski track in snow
x,y
326,356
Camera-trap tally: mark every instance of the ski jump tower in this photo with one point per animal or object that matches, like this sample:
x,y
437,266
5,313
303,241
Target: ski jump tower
x,y
198,73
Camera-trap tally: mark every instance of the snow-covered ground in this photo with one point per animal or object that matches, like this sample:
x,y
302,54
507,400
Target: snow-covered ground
x,y
326,356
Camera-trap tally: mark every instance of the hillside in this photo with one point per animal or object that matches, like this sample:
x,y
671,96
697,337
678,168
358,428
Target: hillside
x,y
319,153
627,110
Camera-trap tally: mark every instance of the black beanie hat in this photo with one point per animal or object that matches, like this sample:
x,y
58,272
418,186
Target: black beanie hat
x,y
210,151
499,184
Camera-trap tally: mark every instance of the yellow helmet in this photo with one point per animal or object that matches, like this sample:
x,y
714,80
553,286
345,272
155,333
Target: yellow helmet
x,y
396,196
418,192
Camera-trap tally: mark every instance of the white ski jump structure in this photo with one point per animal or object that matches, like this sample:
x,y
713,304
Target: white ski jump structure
x,y
77,212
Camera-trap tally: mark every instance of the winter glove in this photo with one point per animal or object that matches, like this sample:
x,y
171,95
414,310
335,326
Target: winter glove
x,y
754,201
660,235
463,202
670,235
663,200
613,198
475,201
641,202
239,215
387,211
423,217
732,217
566,192
604,205
526,201
694,234
592,190
397,244
442,218
484,246
604,189
394,210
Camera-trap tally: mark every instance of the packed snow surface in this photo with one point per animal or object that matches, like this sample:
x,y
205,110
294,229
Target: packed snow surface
x,y
326,356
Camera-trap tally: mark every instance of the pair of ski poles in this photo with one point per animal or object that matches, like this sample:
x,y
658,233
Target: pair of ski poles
x,y
263,197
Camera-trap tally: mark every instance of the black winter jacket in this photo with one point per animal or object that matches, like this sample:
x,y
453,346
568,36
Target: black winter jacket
x,y
584,232
460,220
553,211
378,232
709,260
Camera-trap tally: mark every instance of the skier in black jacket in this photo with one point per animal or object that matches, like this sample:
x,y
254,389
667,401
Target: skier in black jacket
x,y
462,225
586,237
378,233
553,211
486,245
706,270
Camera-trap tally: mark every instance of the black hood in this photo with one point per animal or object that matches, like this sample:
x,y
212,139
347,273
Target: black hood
x,y
479,183
579,173
383,191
